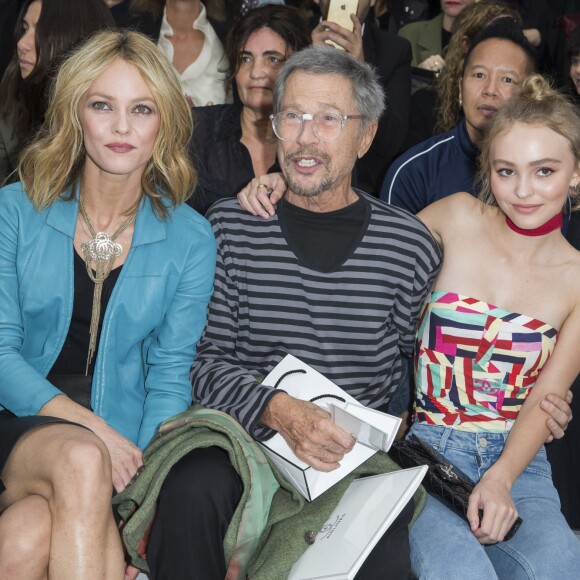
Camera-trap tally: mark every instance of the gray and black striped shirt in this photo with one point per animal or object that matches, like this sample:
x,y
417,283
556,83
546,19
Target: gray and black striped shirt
x,y
353,325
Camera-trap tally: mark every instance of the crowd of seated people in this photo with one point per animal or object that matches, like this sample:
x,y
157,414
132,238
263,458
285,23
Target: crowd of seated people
x,y
115,116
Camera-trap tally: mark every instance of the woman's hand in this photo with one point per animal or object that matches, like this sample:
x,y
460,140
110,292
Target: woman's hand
x,y
347,40
260,195
126,457
534,36
434,63
492,496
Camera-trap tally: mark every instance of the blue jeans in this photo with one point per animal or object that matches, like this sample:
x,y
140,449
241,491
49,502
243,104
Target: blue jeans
x,y
444,548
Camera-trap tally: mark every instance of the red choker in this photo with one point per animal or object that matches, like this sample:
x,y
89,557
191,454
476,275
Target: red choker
x,y
551,225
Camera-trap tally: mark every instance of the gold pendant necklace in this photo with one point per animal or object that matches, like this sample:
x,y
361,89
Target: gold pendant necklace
x,y
102,251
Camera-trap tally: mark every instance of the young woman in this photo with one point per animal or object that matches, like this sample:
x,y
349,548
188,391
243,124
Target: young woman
x,y
45,31
105,277
497,335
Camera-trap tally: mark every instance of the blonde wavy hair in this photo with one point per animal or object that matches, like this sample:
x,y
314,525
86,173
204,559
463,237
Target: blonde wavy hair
x,y
472,19
538,104
53,163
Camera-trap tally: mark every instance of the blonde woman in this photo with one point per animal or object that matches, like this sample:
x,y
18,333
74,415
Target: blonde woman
x,y
104,280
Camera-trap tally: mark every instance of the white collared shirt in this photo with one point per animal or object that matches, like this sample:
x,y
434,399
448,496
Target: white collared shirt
x,y
202,79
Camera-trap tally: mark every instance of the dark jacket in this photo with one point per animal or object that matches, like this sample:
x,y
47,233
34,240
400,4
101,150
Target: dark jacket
x,y
391,56
433,169
223,162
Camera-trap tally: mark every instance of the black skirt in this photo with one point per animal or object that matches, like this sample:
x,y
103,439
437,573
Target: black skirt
x,y
12,428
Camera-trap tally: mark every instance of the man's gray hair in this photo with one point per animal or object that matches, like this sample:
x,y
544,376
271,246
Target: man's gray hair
x,y
369,98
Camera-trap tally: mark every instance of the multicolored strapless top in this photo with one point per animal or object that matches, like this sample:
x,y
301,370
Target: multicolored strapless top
x,y
476,363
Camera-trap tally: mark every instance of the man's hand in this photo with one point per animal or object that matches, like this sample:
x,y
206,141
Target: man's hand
x,y
350,42
560,414
309,431
260,195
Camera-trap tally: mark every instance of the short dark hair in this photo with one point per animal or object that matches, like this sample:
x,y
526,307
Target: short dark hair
x,y
505,28
62,25
285,21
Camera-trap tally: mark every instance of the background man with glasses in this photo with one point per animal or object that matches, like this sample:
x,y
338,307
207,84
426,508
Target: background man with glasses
x,y
336,278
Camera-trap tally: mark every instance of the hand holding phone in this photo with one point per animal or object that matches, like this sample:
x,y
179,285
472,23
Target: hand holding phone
x,y
339,30
339,11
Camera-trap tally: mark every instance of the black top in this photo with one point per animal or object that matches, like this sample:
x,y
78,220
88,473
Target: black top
x,y
391,55
72,359
323,241
223,162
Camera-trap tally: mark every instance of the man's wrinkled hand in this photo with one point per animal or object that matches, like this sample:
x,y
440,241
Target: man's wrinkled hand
x,y
309,431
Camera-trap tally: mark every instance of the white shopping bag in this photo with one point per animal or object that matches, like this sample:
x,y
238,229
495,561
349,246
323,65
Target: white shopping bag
x,y
303,382
365,512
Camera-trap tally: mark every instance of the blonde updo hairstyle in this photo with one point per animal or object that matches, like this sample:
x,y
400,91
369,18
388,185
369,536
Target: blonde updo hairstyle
x,y
538,104
53,163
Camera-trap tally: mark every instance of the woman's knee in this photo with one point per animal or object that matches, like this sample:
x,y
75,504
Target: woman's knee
x,y
82,469
87,456
25,531
56,460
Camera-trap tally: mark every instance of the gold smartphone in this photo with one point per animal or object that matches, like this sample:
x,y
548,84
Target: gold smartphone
x,y
339,11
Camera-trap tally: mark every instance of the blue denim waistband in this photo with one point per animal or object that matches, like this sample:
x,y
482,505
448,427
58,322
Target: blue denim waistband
x,y
445,437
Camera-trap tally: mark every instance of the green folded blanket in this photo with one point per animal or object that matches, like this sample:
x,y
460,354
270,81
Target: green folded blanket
x,y
267,532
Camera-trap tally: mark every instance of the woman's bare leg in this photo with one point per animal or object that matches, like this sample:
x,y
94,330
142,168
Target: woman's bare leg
x,y
70,468
25,540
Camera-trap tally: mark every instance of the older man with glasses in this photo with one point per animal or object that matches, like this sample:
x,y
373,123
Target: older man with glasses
x,y
336,278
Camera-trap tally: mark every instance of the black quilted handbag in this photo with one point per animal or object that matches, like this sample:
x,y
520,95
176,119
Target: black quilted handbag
x,y
444,481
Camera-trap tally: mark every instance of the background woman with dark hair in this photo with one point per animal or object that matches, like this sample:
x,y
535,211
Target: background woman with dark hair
x,y
234,143
45,31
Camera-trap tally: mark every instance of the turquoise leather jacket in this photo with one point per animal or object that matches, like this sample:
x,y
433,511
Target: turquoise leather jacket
x,y
153,321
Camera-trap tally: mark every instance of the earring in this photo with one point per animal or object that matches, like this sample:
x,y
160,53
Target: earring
x,y
460,102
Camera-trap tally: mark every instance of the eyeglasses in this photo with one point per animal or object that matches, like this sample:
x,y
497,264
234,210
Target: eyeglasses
x,y
326,126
